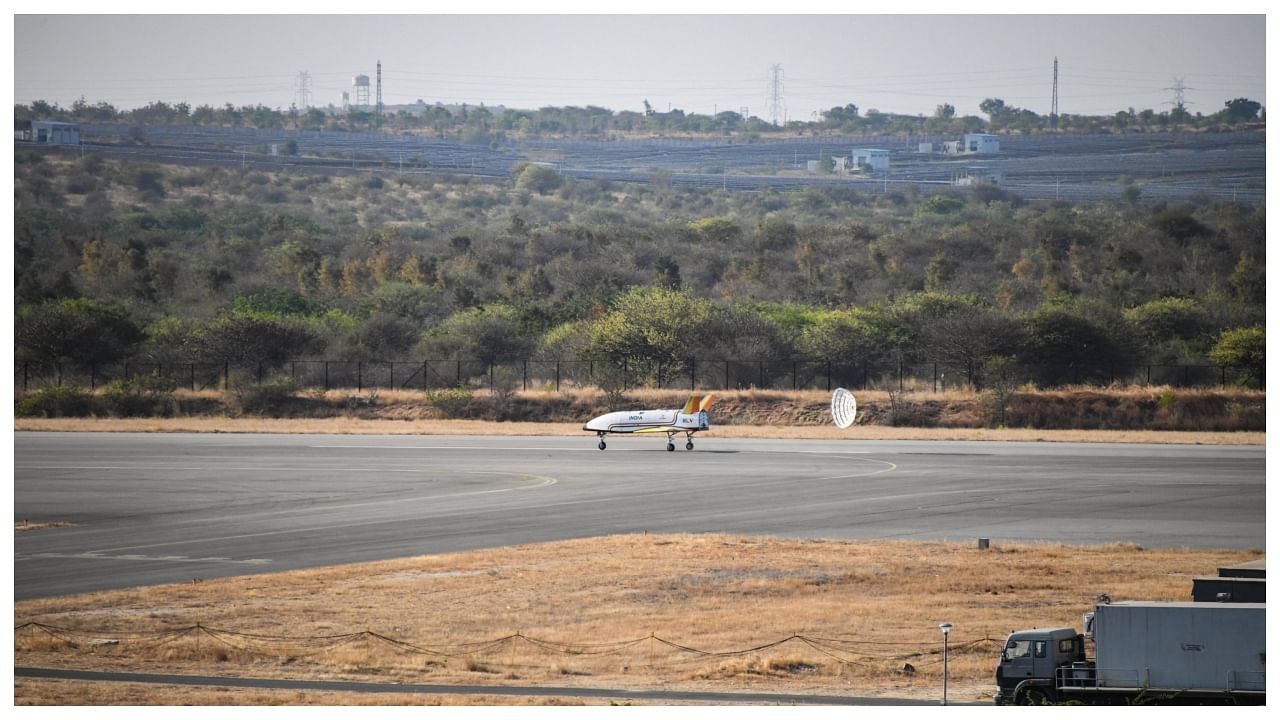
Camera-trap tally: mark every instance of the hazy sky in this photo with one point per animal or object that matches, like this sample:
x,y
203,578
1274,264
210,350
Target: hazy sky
x,y
698,63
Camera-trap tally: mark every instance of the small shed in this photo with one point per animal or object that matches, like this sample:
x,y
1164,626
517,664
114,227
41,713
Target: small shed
x,y
55,133
979,175
874,159
982,143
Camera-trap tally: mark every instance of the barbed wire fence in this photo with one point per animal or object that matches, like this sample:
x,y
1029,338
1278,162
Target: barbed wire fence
x,y
867,655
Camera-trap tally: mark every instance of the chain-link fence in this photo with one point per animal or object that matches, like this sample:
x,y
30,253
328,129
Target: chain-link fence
x,y
533,374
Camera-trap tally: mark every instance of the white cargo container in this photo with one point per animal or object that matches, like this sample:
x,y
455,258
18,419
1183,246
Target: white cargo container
x,y
1178,652
1182,646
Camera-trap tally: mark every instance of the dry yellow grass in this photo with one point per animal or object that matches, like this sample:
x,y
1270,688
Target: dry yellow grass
x,y
360,426
869,608
24,525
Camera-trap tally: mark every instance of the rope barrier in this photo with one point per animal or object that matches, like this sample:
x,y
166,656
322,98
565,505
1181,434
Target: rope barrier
x,y
840,650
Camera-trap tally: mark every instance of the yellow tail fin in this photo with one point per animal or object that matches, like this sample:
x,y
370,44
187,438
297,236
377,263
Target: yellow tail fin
x,y
707,402
691,407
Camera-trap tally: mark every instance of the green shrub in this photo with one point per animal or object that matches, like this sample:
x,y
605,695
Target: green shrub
x,y
140,396
56,402
453,402
272,397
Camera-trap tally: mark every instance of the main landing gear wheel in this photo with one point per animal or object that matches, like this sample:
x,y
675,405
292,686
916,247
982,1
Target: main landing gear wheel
x,y
688,445
671,447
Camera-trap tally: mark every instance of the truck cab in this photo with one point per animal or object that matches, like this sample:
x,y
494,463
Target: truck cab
x,y
1030,660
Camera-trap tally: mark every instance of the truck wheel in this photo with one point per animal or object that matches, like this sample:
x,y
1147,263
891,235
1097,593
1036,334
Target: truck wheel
x,y
1034,696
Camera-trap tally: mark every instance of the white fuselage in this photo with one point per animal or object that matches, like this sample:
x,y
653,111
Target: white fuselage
x,y
629,421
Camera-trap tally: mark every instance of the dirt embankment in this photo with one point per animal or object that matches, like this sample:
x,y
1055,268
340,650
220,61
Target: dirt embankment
x,y
1184,410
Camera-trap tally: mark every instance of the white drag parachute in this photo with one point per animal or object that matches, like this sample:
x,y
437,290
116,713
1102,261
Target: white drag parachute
x,y
844,409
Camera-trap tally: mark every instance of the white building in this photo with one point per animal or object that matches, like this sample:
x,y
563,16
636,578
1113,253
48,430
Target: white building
x,y
973,144
49,133
982,143
877,161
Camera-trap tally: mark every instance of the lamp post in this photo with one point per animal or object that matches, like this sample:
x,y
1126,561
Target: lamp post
x,y
946,630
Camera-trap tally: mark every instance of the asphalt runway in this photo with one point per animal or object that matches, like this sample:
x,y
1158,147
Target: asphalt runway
x,y
159,508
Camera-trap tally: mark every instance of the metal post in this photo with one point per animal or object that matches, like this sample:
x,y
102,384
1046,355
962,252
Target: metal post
x,y
557,376
424,376
828,376
326,374
391,381
24,376
226,376
193,377
761,375
793,374
946,631
1224,376
526,375
93,373
58,366
259,372
126,371
459,360
693,373
935,377
1186,375
1148,375
359,376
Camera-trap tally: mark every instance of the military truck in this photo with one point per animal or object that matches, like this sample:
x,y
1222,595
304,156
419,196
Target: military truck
x,y
1157,652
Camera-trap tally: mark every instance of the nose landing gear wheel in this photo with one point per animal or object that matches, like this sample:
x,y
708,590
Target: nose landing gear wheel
x,y
671,447
688,445
601,445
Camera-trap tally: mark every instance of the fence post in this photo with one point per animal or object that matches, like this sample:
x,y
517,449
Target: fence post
x,y
391,380
359,376
424,376
935,377
828,376
226,376
259,372
126,371
899,372
693,373
24,375
93,379
526,375
626,374
793,375
1148,376
326,374
557,376
193,377
1223,383
58,367
1186,375
459,371
865,372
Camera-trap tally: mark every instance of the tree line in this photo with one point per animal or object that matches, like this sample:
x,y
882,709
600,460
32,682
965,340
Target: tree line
x,y
116,260
482,125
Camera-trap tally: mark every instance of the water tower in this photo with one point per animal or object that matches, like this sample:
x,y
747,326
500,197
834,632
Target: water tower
x,y
360,91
